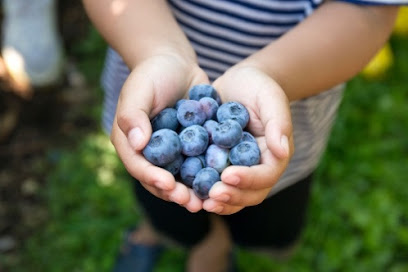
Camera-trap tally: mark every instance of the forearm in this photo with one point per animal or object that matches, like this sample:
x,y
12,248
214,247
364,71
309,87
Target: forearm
x,y
329,47
138,29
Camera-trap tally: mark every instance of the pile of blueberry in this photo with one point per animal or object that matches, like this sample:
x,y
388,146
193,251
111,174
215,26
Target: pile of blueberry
x,y
198,138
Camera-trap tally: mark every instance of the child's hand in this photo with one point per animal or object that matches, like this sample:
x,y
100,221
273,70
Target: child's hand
x,y
156,83
270,122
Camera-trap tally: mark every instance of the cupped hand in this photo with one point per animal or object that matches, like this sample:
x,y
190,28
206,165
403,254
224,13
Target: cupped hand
x,y
270,122
156,83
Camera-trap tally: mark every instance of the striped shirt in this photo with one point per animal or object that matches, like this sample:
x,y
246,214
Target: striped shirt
x,y
224,33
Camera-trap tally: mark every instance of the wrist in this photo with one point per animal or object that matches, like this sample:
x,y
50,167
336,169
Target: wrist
x,y
252,83
169,74
254,69
182,55
266,68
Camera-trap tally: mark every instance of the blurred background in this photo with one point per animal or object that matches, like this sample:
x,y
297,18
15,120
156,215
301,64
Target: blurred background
x,y
65,198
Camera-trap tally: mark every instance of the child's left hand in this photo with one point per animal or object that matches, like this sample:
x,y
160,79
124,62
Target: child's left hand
x,y
270,122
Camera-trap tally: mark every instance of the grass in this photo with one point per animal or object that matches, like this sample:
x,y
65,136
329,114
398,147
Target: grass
x,y
357,220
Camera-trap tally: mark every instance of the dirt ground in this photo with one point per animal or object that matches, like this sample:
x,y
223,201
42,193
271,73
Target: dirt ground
x,y
30,128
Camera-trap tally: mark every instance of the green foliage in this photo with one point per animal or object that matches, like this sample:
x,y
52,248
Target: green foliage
x,y
357,220
90,55
90,203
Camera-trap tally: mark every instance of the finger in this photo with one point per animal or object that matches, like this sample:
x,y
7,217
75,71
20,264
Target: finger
x,y
138,166
234,196
276,119
194,204
159,193
256,177
213,206
180,194
134,106
279,138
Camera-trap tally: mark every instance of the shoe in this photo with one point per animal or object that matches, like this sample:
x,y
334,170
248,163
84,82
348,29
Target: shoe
x,y
32,49
137,257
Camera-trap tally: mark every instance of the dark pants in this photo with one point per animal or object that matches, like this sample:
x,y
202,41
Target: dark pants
x,y
275,223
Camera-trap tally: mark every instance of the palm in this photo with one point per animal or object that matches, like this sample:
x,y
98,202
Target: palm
x,y
270,122
153,85
169,81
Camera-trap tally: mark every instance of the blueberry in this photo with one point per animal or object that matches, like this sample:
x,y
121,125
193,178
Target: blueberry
x,y
248,137
227,134
164,147
217,157
194,140
202,159
245,153
202,90
179,102
167,118
189,169
204,180
210,107
210,126
218,99
174,166
190,113
234,111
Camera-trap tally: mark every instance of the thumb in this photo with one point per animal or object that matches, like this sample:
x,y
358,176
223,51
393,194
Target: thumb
x,y
133,110
137,136
276,118
279,139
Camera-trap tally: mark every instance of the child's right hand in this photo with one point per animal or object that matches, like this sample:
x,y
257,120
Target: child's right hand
x,y
156,83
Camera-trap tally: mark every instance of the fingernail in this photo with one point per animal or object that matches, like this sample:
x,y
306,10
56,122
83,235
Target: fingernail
x,y
135,137
285,144
222,198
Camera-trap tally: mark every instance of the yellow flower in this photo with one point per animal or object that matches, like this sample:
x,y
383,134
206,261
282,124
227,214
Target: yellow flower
x,y
401,24
379,65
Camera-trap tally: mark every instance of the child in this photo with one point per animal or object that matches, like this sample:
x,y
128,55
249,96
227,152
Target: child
x,y
284,60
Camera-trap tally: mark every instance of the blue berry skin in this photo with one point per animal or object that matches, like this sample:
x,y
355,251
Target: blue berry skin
x,y
218,99
167,118
194,140
202,90
234,111
174,166
202,159
247,137
179,102
210,126
227,134
204,180
210,107
189,169
164,147
245,153
217,157
190,113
